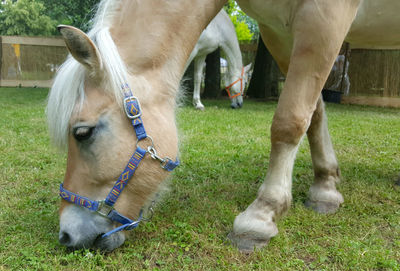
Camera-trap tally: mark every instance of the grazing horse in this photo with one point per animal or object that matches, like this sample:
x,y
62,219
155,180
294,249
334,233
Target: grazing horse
x,y
220,33
137,51
339,76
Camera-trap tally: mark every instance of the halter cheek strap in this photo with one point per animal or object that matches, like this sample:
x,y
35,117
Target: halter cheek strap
x,y
240,79
105,207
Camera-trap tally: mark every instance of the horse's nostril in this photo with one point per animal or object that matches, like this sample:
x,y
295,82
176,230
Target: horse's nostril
x,y
99,237
64,239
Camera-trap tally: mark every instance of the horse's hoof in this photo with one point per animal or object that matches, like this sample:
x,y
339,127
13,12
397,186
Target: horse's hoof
x,y
322,207
247,243
200,107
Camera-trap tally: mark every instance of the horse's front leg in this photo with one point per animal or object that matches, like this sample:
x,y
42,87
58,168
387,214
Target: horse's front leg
x,y
318,28
198,76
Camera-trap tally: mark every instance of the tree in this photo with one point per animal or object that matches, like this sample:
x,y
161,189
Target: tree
x,y
40,17
24,18
212,87
77,13
246,27
263,82
242,29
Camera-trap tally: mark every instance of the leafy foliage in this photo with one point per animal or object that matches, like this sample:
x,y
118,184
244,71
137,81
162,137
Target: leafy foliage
x,y
25,18
246,27
72,12
242,29
40,17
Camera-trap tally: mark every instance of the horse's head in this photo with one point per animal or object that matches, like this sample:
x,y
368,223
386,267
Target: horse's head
x,y
86,113
237,87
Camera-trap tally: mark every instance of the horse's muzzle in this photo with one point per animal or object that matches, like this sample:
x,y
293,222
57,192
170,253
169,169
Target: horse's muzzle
x,y
81,228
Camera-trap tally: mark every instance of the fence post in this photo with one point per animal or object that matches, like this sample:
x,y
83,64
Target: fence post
x,y
262,84
1,56
212,82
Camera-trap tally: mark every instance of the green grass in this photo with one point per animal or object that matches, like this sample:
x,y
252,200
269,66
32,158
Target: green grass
x,y
224,159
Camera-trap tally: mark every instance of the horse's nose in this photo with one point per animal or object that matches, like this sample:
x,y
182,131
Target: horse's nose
x,y
76,241
236,105
64,239
81,228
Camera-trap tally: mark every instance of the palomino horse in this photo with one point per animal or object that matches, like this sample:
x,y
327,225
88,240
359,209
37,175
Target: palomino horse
x,y
220,33
146,44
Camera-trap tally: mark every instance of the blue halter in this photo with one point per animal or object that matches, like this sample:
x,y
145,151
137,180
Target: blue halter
x,y
105,207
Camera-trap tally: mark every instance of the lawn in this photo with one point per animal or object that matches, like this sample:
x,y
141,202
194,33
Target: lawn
x,y
224,157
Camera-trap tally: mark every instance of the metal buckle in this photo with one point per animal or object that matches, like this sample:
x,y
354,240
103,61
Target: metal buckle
x,y
128,114
104,209
165,162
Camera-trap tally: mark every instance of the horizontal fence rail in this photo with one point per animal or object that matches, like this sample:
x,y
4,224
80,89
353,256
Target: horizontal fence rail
x,y
33,61
30,61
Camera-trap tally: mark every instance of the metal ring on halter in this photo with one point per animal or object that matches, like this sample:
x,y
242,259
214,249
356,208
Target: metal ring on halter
x,y
147,137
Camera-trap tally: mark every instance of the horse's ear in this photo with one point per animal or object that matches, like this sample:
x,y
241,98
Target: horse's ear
x,y
248,67
81,47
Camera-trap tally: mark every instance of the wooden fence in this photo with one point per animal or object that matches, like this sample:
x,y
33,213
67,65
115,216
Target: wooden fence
x,y
33,61
30,61
249,50
374,77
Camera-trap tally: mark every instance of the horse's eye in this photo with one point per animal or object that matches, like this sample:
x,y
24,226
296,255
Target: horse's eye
x,y
83,133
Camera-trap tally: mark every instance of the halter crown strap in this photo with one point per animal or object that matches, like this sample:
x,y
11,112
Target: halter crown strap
x,y
105,207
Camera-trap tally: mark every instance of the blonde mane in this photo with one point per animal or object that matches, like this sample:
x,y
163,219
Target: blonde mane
x,y
69,83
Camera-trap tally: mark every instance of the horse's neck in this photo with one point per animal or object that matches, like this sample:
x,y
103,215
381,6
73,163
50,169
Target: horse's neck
x,y
156,37
229,44
234,59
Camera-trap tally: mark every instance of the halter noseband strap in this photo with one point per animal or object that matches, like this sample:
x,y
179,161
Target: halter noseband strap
x,y
240,79
105,207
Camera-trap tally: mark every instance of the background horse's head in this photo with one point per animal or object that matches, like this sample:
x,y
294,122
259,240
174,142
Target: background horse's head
x,y
86,116
237,87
